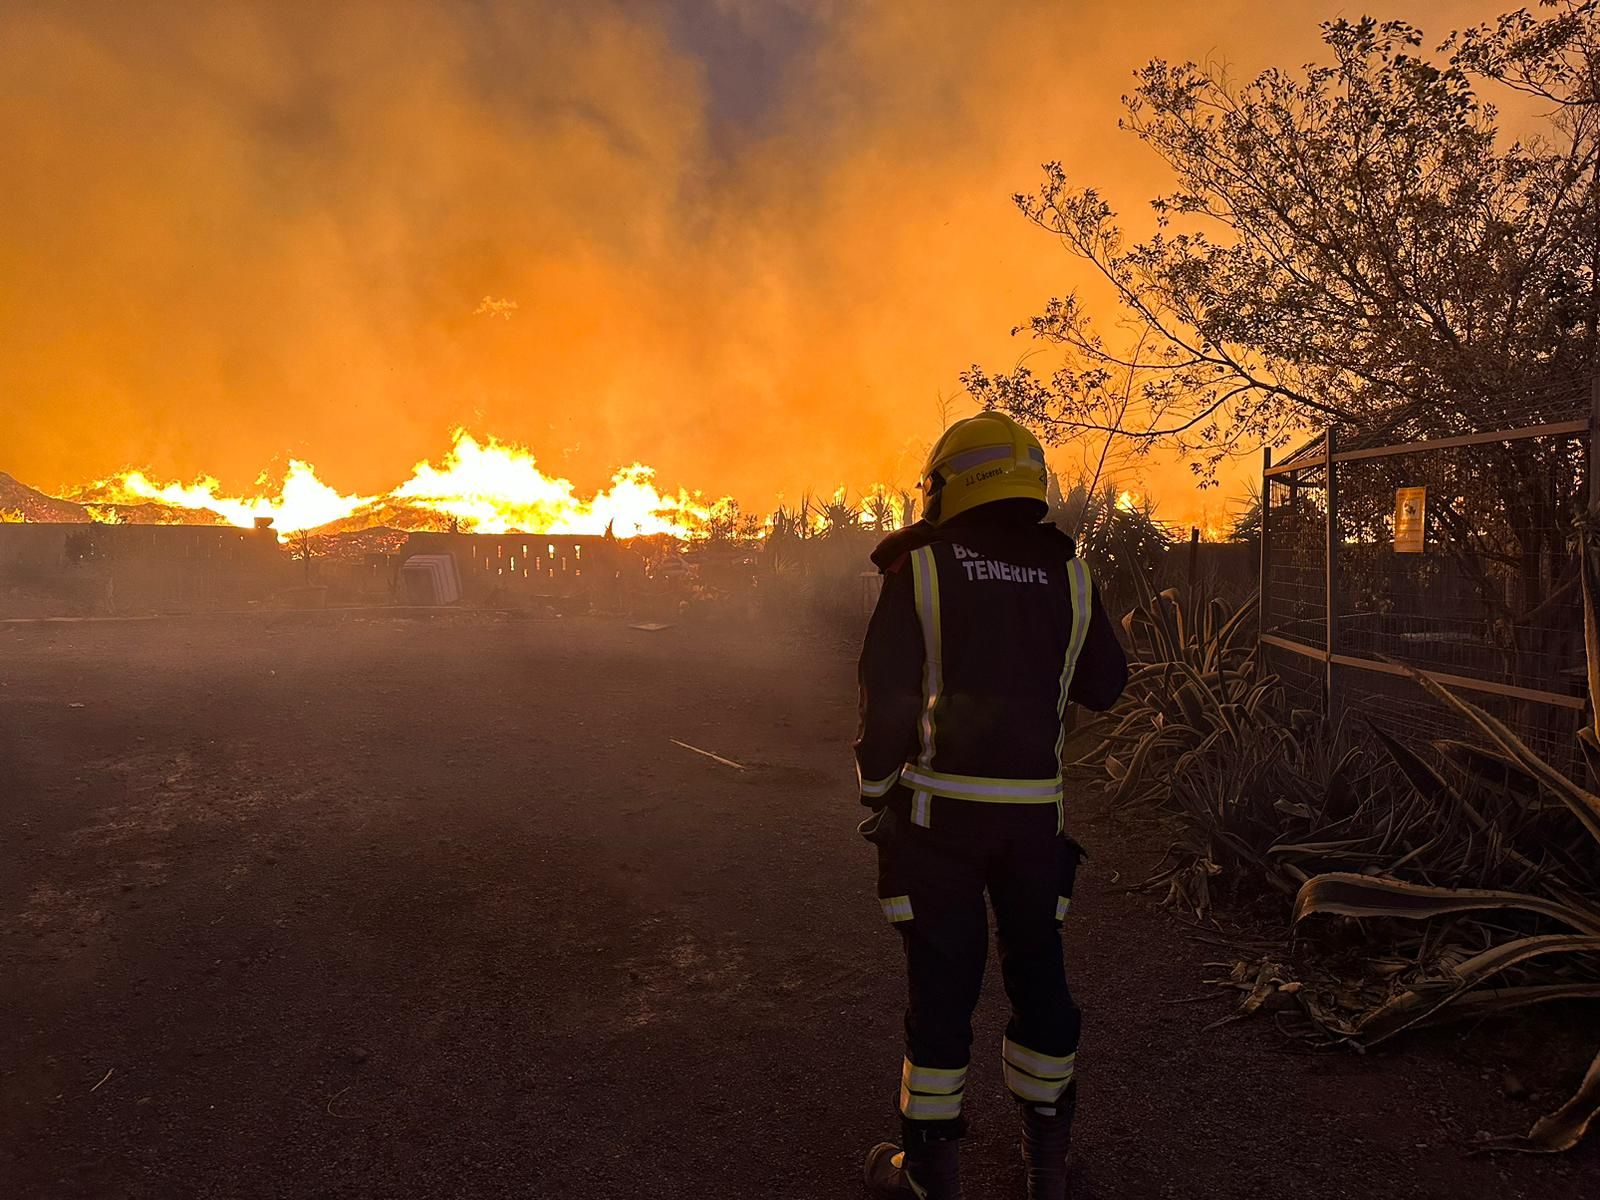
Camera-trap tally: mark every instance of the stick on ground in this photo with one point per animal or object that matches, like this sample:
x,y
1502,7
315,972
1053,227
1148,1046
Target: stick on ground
x,y
727,762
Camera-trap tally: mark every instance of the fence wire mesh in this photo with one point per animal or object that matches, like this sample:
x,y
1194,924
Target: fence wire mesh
x,y
1294,593
1398,705
1494,596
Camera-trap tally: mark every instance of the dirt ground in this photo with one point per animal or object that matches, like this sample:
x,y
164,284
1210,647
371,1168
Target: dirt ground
x,y
329,905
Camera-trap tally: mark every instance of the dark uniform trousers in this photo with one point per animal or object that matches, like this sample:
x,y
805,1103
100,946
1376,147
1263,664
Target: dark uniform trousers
x,y
932,882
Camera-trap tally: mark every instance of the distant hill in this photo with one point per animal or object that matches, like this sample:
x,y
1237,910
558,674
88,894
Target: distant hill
x,y
35,505
148,512
386,513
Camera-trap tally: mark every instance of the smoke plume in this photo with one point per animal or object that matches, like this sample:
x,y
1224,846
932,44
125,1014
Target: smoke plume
x,y
749,243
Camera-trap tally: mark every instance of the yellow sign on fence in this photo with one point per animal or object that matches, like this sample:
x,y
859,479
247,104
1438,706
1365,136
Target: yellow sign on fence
x,y
1410,507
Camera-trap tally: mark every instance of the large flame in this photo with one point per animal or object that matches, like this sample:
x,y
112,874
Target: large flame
x,y
479,487
302,501
498,488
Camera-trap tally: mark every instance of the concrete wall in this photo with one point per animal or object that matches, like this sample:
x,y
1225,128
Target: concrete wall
x,y
108,570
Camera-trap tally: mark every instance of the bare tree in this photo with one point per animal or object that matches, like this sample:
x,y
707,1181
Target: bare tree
x,y
303,548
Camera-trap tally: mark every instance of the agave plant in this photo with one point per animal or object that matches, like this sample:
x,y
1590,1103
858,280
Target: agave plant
x,y
1199,734
1552,951
1188,688
839,516
1124,543
878,511
1492,839
1265,796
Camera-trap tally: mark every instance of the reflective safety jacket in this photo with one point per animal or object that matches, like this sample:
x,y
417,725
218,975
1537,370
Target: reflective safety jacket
x,y
986,626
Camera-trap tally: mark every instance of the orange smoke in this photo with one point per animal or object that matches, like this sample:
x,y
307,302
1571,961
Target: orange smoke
x,y
248,231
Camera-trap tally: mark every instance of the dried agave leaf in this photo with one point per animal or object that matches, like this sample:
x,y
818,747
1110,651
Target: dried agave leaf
x,y
1263,987
1589,743
1414,1004
1352,895
1563,1129
1591,628
1329,1018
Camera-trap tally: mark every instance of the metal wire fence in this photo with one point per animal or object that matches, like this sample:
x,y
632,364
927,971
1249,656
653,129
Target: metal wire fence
x,y
1453,555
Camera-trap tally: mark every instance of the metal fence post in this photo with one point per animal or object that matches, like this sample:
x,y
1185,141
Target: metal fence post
x,y
1262,592
1331,574
1592,460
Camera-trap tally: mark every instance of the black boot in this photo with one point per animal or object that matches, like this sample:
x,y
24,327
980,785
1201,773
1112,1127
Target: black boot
x,y
925,1170
1046,1137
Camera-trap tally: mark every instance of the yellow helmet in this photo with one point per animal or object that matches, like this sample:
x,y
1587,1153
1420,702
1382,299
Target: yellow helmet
x,y
981,459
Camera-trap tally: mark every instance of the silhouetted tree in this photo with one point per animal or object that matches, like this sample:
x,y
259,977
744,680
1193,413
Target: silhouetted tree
x,y
1357,243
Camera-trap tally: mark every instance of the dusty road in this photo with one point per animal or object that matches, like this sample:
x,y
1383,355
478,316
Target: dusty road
x,y
397,908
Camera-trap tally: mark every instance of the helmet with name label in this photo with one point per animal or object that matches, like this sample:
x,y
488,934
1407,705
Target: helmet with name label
x,y
979,460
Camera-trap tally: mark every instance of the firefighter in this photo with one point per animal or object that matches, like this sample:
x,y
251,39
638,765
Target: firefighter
x,y
987,625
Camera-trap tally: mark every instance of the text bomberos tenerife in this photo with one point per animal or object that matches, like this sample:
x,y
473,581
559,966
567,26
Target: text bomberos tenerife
x,y
978,567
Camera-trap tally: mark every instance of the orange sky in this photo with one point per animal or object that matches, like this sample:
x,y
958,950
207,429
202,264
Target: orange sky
x,y
750,242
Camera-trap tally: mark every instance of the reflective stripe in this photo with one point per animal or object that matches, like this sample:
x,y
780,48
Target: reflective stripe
x,y
1044,1066
896,908
1029,1075
968,459
978,787
945,1081
931,1093
1029,1087
1063,906
915,1107
1081,589
925,585
875,787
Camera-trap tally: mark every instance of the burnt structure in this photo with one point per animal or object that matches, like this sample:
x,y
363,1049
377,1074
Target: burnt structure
x,y
512,568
